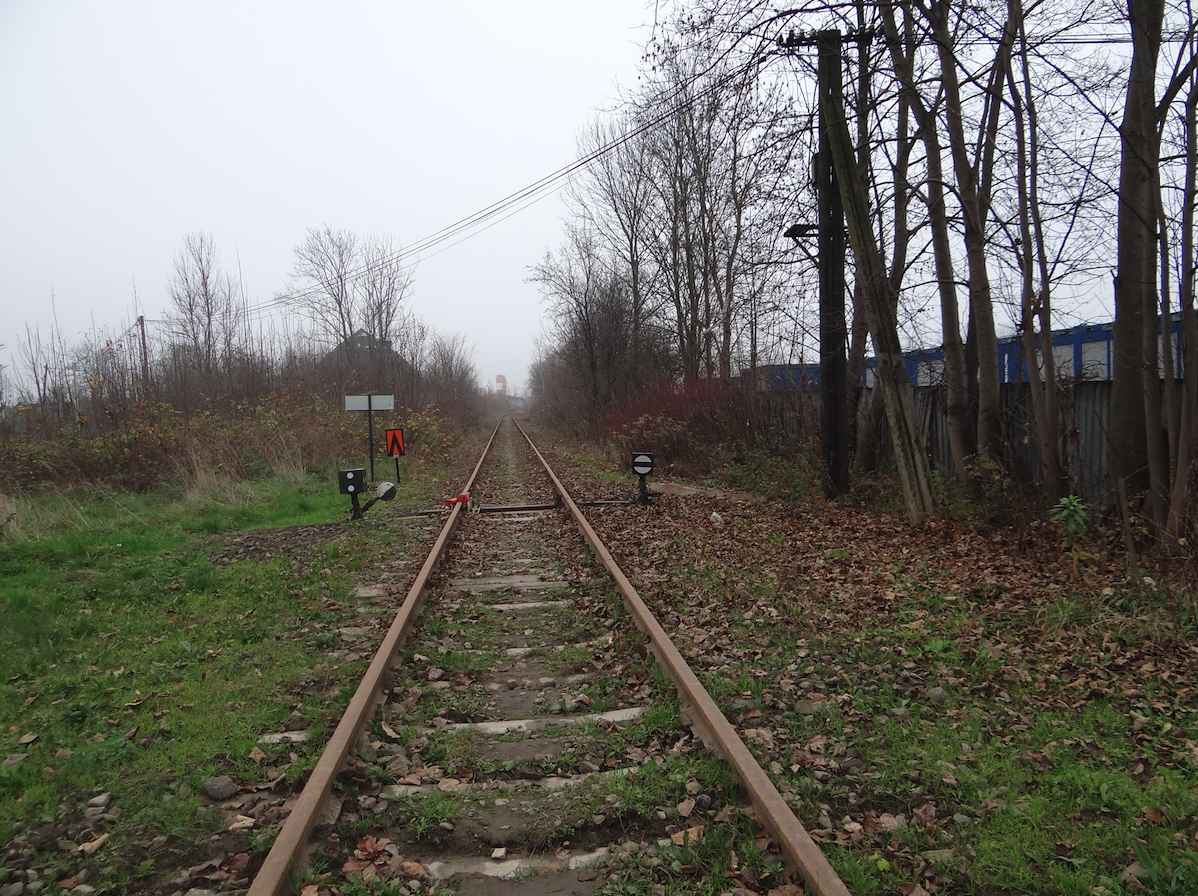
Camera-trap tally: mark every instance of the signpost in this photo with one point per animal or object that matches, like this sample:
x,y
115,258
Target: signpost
x,y
395,447
370,404
642,465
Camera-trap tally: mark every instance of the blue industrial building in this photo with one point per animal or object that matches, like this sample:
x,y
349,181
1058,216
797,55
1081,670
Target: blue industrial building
x,y
1082,354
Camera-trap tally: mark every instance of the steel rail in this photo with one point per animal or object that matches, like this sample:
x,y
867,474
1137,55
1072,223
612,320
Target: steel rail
x,y
701,713
287,847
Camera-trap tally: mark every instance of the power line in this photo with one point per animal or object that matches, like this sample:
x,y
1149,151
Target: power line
x,y
499,211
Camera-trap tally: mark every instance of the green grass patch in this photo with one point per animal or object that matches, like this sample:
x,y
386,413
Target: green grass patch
x,y
129,629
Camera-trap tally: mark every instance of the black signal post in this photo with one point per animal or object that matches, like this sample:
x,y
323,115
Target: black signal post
x,y
352,483
642,465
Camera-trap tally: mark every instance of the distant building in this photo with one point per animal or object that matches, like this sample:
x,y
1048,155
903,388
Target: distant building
x,y
364,361
1081,354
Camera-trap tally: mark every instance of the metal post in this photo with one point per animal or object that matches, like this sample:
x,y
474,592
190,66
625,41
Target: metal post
x,y
642,494
370,434
833,365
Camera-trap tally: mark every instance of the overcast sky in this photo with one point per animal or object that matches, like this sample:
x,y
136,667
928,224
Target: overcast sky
x,y
127,126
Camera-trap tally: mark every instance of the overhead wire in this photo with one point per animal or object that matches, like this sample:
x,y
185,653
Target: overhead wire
x,y
501,210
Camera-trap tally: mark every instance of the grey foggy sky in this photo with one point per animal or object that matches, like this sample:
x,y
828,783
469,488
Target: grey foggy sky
x,y
127,126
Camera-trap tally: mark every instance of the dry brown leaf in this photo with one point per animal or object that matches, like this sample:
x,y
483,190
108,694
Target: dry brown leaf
x,y
241,823
688,835
926,813
257,755
89,849
26,739
389,731
686,807
273,783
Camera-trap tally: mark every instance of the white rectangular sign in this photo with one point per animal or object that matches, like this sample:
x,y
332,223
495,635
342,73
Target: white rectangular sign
x,y
370,402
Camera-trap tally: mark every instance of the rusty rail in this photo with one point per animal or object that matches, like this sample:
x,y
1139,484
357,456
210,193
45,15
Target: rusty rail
x,y
703,715
272,876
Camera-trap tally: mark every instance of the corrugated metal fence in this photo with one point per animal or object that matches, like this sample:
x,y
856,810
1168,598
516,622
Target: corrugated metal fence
x,y
1083,408
1084,413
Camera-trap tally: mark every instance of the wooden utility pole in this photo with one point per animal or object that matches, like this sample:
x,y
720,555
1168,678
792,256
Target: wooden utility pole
x,y
833,331
833,335
878,296
145,359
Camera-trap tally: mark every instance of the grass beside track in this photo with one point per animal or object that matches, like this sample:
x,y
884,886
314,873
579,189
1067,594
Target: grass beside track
x,y
961,709
149,640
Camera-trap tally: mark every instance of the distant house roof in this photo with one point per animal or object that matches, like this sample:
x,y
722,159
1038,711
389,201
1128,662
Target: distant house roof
x,y
362,359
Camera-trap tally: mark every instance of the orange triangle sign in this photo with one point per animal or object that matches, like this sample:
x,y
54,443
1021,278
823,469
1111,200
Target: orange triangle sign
x,y
395,443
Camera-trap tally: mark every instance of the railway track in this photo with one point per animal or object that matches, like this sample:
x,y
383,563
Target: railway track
x,y
527,727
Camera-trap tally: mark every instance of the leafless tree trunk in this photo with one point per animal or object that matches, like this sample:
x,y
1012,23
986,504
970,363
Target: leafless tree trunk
x,y
957,387
974,177
880,299
1139,450
1188,414
1035,303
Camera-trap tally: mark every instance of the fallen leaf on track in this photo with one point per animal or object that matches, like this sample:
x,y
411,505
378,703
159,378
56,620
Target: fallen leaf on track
x,y
241,823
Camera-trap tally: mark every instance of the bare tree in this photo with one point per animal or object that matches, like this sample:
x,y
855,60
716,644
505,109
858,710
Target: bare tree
x,y
382,283
1139,452
207,310
576,283
450,376
322,281
349,285
615,200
